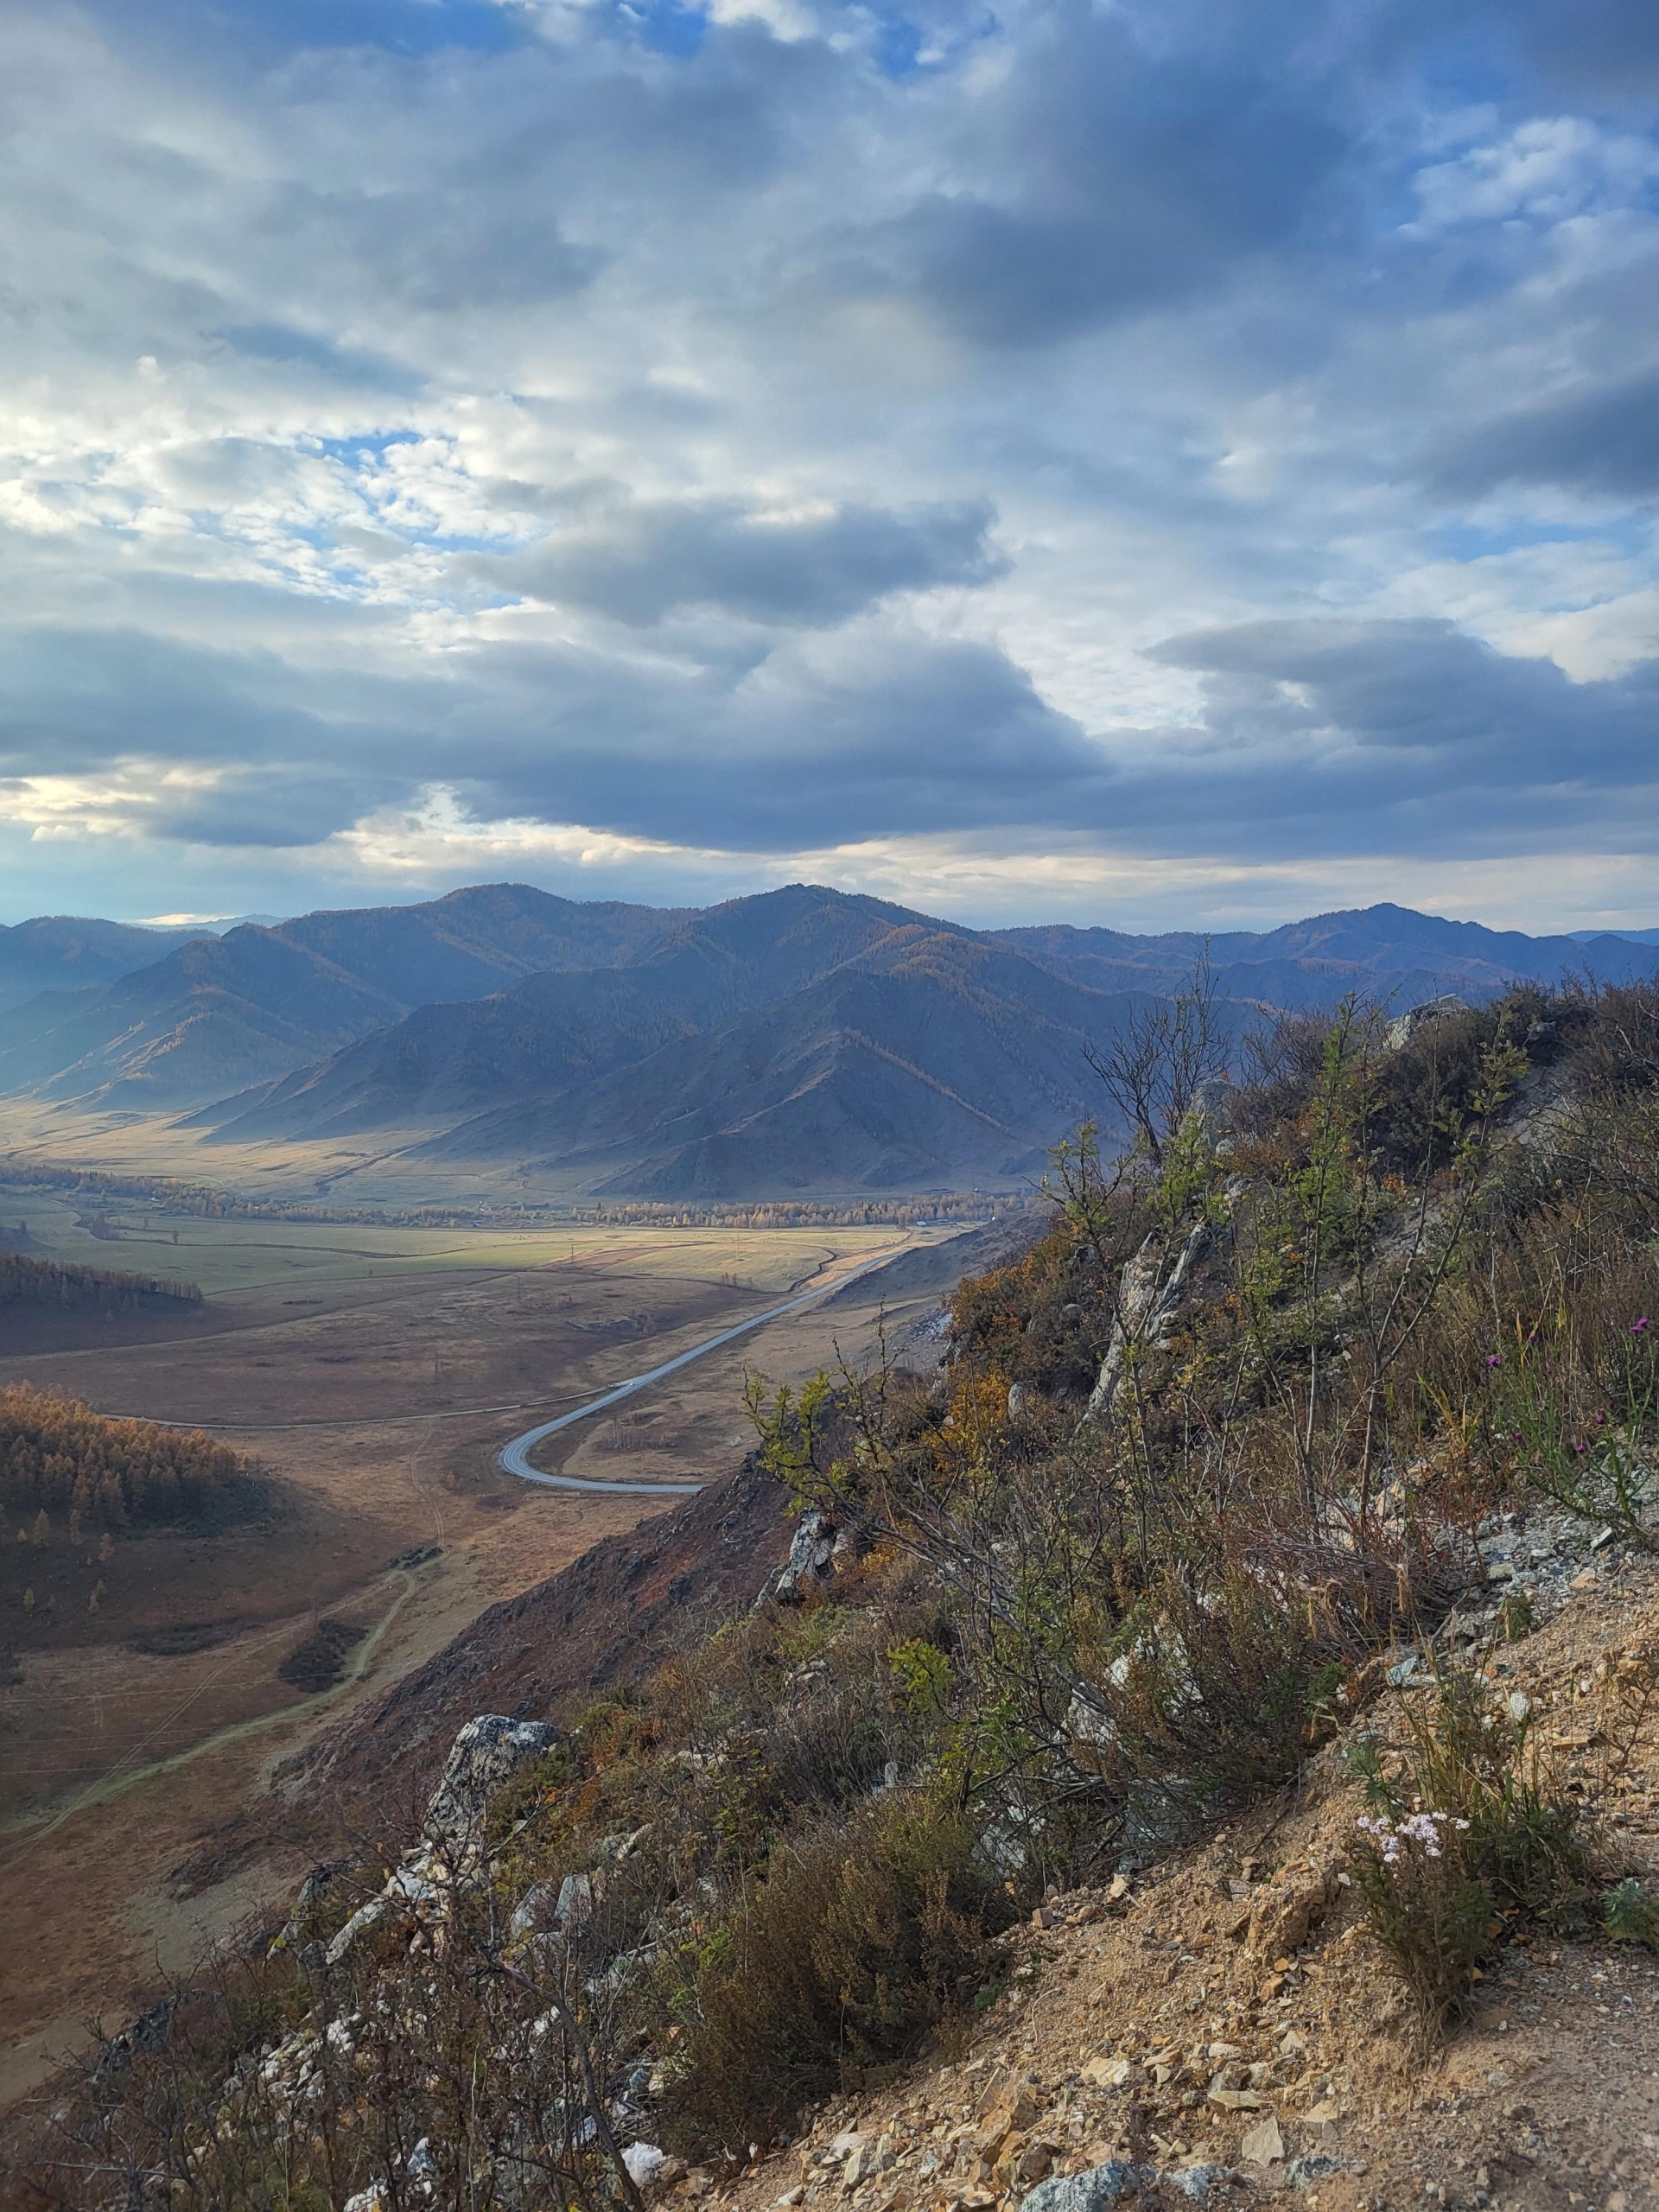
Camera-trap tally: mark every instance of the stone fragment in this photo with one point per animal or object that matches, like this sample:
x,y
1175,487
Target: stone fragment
x,y
1284,1913
1311,2167
1195,2181
1108,2073
1262,2144
1237,2100
1012,2112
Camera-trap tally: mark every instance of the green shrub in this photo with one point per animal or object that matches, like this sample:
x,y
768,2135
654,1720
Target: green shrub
x,y
1629,1914
1464,1833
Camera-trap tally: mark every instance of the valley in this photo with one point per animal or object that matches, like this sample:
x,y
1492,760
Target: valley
x,y
373,1376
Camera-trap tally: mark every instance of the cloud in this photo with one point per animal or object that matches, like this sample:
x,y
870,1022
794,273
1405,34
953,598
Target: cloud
x,y
637,560
748,430
1411,736
1601,438
1131,173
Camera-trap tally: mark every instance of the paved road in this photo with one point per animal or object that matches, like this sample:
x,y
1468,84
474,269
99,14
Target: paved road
x,y
513,1458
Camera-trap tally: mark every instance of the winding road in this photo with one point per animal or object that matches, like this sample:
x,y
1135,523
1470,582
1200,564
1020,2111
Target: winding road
x,y
513,1458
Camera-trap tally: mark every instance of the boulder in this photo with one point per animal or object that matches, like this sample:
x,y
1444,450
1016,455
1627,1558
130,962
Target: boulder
x,y
811,1551
1092,2191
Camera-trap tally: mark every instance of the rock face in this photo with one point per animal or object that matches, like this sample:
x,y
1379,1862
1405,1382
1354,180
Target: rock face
x,y
811,1556
486,1755
1147,1301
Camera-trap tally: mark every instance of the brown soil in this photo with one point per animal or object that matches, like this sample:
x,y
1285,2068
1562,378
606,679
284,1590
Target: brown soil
x,y
1547,2096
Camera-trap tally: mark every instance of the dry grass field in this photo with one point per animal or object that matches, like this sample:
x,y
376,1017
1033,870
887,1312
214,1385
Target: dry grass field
x,y
374,1374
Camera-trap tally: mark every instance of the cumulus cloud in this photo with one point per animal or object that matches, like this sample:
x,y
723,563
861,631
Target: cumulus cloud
x,y
1189,438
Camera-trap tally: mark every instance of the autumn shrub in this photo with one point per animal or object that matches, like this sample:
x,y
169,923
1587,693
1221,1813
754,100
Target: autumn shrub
x,y
856,1938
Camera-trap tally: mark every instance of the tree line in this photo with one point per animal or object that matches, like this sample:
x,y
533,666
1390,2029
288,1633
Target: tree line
x,y
53,1284
58,1456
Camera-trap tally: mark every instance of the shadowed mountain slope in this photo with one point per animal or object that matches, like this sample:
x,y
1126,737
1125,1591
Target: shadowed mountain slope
x,y
929,1061
64,952
1383,951
244,1006
219,1014
549,1032
478,940
803,1038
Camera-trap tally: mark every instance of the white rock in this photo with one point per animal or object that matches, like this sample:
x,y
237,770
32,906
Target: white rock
x,y
575,1906
644,2162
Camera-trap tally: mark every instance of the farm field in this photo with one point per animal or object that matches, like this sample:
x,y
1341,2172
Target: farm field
x,y
374,1374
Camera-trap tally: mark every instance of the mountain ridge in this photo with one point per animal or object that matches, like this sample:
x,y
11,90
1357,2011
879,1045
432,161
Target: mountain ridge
x,y
795,1039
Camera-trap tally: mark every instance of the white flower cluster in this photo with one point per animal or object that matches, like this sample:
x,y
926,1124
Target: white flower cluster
x,y
1423,1829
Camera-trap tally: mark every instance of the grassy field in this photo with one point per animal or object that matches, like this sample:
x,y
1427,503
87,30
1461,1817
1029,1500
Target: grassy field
x,y
227,1257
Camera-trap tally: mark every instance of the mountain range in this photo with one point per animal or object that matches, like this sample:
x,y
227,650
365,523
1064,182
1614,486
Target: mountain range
x,y
802,1040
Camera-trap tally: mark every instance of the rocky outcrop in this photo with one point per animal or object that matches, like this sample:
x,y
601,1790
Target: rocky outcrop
x,y
822,1546
1150,1294
486,1755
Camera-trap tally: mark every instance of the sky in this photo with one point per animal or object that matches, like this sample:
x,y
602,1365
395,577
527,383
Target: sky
x,y
1160,464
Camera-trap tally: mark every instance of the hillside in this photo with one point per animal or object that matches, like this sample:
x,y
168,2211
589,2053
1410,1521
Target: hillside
x,y
919,1058
930,1062
61,952
863,1048
1387,950
1202,1741
800,1039
472,942
219,1014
